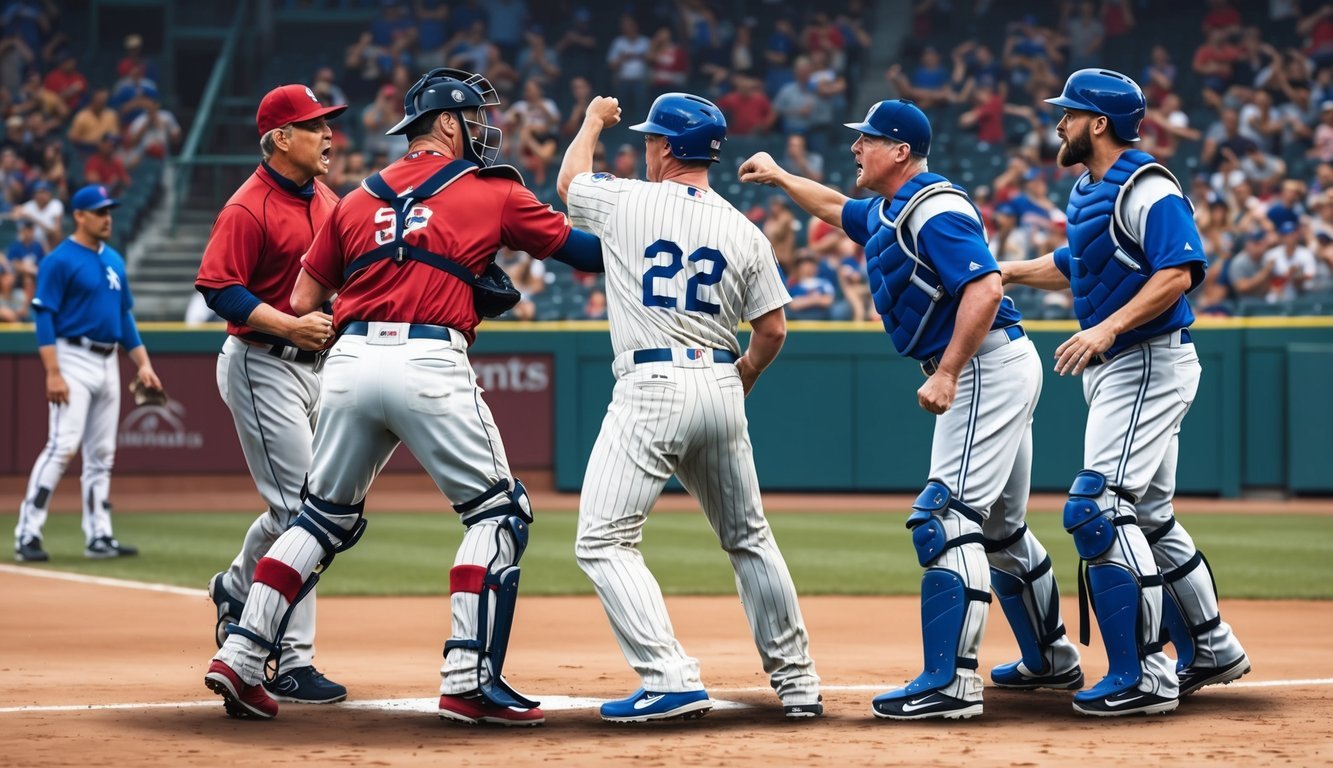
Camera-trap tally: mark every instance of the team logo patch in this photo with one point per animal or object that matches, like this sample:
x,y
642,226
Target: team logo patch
x,y
458,95
416,218
603,176
694,354
311,94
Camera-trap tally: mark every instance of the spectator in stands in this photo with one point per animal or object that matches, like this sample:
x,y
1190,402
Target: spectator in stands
x,y
812,296
326,88
53,170
45,212
928,83
528,276
1159,77
432,21
1291,264
746,107
40,108
1008,241
831,88
1164,127
133,93
1323,135
134,57
1263,170
537,60
1222,17
796,101
507,20
537,144
15,58
973,66
1317,30
1213,61
379,116
1258,121
580,94
392,23
371,62
744,55
820,34
850,22
8,303
23,256
595,307
798,158
668,64
14,179
578,48
626,163
93,122
534,109
105,166
780,55
780,228
67,83
986,117
1289,205
1085,34
1223,141
153,134
628,58
1249,273
855,290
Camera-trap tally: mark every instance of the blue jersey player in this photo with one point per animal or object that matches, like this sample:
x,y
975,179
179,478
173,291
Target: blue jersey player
x,y
82,311
937,288
1133,253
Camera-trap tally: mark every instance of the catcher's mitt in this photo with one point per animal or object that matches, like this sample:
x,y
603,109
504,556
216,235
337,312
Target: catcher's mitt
x,y
145,395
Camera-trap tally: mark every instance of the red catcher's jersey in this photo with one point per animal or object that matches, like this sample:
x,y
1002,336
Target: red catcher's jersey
x,y
259,237
467,222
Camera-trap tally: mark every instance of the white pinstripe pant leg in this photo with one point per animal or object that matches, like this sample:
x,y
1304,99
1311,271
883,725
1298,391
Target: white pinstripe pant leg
x,y
99,451
717,468
633,457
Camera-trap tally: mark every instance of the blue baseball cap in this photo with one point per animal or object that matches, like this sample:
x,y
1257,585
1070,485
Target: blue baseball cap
x,y
1256,236
900,120
1287,227
93,197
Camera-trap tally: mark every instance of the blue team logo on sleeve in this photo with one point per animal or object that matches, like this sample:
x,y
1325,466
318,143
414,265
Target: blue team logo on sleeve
x,y
602,176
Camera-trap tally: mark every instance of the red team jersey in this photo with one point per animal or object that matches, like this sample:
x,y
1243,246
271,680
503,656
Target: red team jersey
x,y
467,222
259,237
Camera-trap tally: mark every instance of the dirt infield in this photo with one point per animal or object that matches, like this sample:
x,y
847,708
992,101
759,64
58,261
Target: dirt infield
x,y
69,649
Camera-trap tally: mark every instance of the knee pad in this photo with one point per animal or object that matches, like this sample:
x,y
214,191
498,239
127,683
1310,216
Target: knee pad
x,y
1088,515
926,522
516,503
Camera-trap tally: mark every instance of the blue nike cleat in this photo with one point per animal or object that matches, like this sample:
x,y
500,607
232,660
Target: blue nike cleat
x,y
305,685
1017,677
900,704
643,706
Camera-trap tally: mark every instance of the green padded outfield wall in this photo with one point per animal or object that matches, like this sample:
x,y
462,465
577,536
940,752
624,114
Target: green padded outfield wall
x,y
838,413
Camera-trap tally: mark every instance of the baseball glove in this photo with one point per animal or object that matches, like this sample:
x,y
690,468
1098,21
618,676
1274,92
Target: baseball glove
x,y
145,395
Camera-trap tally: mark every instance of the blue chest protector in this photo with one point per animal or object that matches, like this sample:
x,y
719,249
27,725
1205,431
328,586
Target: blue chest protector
x,y
1106,268
905,288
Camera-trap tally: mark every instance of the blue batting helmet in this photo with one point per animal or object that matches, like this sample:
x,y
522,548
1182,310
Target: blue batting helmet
x,y
693,126
442,89
1107,93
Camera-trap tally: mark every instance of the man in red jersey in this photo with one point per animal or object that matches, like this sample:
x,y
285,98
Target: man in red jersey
x,y
268,371
403,252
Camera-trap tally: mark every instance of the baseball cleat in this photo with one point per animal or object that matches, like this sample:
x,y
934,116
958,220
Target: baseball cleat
x,y
804,711
305,685
474,709
105,547
1130,702
240,700
1015,676
1194,678
643,706
901,705
30,551
229,608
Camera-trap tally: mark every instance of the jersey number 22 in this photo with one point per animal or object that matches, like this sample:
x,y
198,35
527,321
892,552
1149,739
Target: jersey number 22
x,y
707,265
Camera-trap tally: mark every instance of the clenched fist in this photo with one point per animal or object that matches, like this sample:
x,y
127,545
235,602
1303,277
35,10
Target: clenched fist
x,y
761,168
603,109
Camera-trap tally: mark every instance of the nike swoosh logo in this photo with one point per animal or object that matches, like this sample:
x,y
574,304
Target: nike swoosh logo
x,y
1121,702
648,701
288,685
921,703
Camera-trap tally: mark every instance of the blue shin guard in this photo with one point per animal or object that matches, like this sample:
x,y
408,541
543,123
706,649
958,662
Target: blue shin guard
x,y
943,609
1116,601
1035,626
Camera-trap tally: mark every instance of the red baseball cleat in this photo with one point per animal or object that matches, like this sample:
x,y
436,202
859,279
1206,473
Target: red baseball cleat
x,y
240,700
473,709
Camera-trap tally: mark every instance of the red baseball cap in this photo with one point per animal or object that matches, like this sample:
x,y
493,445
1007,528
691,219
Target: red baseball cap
x,y
291,104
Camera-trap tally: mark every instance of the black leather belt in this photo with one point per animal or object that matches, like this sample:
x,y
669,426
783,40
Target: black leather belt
x,y
288,352
1185,338
664,355
414,331
988,344
105,350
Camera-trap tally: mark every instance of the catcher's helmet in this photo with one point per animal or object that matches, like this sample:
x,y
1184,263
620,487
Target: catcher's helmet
x,y
456,90
693,126
1106,93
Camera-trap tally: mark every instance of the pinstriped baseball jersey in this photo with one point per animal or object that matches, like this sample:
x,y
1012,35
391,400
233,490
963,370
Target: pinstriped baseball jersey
x,y
683,266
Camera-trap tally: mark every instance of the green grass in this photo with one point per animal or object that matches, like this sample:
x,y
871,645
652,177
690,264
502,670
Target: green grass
x,y
1254,556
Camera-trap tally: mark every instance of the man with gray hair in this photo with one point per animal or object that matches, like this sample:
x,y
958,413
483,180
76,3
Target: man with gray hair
x,y
268,371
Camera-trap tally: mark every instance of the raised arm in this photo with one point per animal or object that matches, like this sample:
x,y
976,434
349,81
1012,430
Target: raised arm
x,y
602,112
813,197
